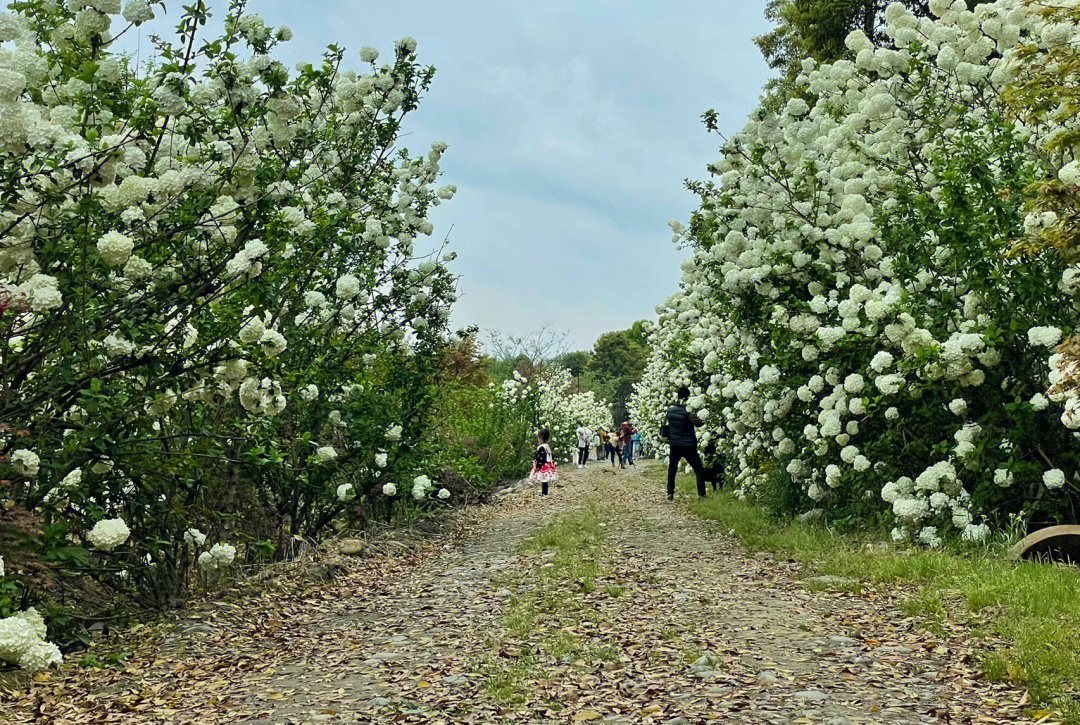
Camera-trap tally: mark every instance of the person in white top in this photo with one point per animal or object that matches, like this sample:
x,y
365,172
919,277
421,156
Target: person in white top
x,y
584,438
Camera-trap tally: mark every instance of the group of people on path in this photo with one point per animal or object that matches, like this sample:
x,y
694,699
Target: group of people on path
x,y
679,429
618,445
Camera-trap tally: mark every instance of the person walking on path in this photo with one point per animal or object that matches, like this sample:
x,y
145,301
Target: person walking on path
x,y
611,447
543,468
682,439
584,438
636,441
598,443
626,437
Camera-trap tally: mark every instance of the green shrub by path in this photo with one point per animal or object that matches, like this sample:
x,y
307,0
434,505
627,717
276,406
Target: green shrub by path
x,y
480,440
1031,607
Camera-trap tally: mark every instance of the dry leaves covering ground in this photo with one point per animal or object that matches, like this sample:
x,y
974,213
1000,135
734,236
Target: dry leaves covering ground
x,y
656,618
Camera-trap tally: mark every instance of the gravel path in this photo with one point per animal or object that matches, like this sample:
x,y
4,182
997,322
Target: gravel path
x,y
681,626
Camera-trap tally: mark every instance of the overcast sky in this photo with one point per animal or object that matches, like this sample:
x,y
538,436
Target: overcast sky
x,y
571,126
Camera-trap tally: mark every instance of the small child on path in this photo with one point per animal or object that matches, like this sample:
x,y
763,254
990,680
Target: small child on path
x,y
543,468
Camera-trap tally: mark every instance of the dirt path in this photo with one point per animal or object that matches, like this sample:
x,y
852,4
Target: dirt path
x,y
601,603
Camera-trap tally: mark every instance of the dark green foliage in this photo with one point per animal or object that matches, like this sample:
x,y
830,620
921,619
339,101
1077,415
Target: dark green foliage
x,y
616,364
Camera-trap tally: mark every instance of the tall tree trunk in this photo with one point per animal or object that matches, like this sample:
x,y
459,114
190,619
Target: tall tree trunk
x,y
869,17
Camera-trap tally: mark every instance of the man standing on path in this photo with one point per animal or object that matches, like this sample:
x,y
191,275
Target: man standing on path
x,y
584,438
682,439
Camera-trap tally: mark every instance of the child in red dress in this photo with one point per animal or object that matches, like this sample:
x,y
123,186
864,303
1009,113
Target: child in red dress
x,y
543,468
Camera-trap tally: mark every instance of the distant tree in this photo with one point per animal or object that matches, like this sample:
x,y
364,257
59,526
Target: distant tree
x,y
616,364
637,334
576,362
463,360
526,354
503,368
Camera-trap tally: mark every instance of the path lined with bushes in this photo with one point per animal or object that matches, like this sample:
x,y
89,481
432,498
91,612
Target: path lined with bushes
x,y
601,603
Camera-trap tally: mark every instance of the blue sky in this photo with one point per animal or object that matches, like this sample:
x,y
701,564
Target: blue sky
x,y
571,126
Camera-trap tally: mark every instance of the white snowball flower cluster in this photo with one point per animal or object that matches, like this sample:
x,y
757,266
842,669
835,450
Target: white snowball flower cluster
x,y
108,534
219,556
421,487
1044,336
137,11
324,454
389,490
115,248
262,397
26,462
347,287
194,538
444,494
22,642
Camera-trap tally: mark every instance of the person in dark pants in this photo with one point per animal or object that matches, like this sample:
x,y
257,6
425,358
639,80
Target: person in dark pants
x,y
626,436
612,447
682,439
584,438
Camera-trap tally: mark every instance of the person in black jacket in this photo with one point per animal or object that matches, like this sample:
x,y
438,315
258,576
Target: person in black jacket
x,y
682,439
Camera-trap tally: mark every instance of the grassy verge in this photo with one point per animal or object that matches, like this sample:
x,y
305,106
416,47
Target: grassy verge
x,y
1033,608
546,603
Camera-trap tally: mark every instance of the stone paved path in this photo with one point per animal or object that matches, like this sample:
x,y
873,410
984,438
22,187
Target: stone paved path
x,y
679,626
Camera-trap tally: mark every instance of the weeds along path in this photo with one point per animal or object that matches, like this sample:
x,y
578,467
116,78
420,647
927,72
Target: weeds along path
x,y
600,603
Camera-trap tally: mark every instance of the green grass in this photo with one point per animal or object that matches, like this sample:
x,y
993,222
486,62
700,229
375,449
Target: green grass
x,y
507,681
1033,608
572,542
546,602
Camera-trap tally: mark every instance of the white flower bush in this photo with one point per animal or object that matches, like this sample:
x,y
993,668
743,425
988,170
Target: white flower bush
x,y
851,317
547,402
216,302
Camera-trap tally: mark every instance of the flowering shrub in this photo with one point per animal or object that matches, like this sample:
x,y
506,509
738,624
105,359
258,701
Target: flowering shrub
x,y
850,324
547,401
1046,95
214,313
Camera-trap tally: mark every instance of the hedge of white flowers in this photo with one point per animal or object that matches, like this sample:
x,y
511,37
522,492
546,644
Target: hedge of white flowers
x,y
213,312
850,323
549,401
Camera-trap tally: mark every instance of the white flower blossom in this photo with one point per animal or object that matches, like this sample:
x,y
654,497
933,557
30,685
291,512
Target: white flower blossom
x,y
1054,478
108,534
